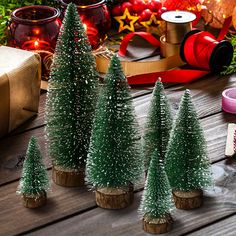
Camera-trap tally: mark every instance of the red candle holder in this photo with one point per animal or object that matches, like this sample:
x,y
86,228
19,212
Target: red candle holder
x,y
34,28
95,17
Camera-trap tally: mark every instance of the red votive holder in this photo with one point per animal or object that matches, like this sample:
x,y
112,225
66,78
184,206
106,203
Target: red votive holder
x,y
95,17
34,28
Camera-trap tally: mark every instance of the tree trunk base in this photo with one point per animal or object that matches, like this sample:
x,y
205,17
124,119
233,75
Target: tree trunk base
x,y
68,177
114,198
31,201
157,225
188,200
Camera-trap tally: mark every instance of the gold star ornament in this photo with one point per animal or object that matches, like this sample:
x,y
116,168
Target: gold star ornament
x,y
152,25
126,21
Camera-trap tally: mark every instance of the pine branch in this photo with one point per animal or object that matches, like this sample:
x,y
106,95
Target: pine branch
x,y
232,67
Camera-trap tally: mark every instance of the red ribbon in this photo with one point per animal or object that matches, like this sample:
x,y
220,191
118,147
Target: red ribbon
x,y
197,53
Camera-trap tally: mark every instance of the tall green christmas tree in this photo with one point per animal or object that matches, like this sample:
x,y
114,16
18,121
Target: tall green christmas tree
x,y
156,201
159,124
187,164
72,95
34,180
115,158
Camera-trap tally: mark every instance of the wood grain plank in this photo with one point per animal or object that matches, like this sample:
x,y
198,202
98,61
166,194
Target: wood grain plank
x,y
127,222
225,227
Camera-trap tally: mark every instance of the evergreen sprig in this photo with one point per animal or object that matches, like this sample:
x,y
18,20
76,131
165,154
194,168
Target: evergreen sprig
x,y
232,67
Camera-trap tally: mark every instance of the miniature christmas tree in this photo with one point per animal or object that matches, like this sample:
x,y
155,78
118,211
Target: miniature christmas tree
x,y
71,101
34,182
187,165
156,200
114,161
159,124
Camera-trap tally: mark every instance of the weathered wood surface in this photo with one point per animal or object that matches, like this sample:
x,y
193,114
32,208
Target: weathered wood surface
x,y
75,208
127,222
222,228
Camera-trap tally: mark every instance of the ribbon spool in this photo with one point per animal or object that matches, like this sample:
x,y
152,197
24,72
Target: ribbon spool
x,y
200,49
178,23
229,100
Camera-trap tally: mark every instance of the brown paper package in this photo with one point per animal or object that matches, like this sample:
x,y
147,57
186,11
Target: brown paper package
x,y
20,76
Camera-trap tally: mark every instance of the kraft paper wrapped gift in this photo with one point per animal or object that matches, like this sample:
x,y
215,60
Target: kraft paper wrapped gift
x,y
20,76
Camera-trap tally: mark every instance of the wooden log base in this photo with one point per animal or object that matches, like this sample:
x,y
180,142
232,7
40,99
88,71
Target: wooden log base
x,y
114,198
34,201
68,177
157,225
188,200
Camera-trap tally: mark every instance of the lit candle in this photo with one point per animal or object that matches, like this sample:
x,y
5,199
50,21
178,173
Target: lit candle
x,y
36,44
92,34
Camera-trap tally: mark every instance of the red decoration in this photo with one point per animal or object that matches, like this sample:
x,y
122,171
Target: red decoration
x,y
35,28
147,11
95,15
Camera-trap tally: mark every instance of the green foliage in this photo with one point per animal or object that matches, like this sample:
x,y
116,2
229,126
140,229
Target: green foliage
x,y
157,197
232,67
114,158
159,124
7,6
187,165
34,178
72,95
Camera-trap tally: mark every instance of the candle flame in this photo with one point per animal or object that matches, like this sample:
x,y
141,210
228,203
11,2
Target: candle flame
x,y
85,26
36,43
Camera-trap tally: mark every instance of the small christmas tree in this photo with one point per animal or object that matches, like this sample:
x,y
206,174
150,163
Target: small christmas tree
x,y
71,101
187,165
114,161
159,124
156,200
34,182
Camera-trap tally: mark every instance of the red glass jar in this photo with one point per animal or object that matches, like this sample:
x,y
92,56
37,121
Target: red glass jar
x,y
95,17
34,28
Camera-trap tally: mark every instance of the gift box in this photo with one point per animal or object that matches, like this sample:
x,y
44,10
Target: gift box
x,y
20,76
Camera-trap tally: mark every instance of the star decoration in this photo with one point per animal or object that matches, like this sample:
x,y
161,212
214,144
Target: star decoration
x,y
151,25
122,20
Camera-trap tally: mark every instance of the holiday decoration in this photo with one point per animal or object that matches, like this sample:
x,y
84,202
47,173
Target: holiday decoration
x,y
123,21
230,147
156,201
230,69
146,13
34,181
20,76
194,6
159,124
71,102
217,10
114,161
187,165
6,7
234,18
95,17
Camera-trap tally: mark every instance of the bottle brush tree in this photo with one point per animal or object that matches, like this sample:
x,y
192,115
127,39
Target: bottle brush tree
x,y
71,101
115,159
34,181
187,164
159,124
156,201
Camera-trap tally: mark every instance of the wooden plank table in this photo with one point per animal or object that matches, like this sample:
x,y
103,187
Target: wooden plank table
x,y
73,211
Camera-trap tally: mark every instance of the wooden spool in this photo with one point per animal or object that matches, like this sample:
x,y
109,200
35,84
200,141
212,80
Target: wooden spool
x,y
188,200
68,177
114,198
157,225
34,201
